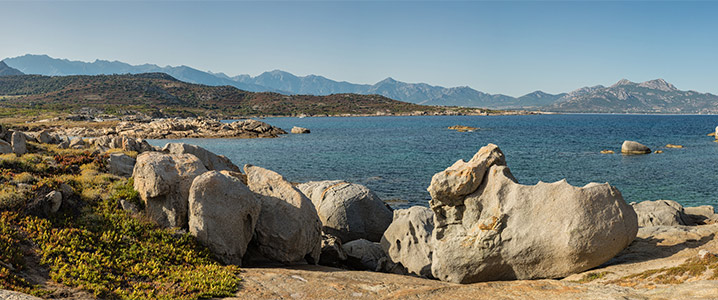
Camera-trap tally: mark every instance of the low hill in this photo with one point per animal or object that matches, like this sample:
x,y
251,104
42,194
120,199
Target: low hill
x,y
158,91
6,70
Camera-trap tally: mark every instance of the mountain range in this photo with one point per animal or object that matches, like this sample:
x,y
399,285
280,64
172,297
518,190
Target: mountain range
x,y
279,81
654,96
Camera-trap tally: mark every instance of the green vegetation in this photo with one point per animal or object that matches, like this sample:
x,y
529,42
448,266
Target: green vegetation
x,y
91,243
690,269
588,277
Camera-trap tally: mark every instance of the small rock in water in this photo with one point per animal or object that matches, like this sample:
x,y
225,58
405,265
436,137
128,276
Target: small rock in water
x,y
462,128
607,152
632,148
300,130
658,151
674,146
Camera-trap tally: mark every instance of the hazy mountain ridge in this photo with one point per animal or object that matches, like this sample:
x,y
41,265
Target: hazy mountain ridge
x,y
274,81
48,66
653,96
6,70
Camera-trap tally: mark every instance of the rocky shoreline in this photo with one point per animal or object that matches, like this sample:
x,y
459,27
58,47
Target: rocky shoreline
x,y
483,233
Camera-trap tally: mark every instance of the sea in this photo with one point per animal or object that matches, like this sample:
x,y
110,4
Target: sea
x,y
396,156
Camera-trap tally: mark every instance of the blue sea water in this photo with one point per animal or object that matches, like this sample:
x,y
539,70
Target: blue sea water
x,y
397,156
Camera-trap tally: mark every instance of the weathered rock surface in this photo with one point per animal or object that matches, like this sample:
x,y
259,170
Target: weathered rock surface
x,y
223,213
288,229
210,160
300,130
19,143
632,148
408,239
77,143
120,164
333,254
5,147
349,211
660,212
364,255
502,230
701,215
163,182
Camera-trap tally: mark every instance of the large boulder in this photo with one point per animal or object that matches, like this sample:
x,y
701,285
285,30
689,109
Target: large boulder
x,y
120,164
288,229
19,143
408,239
163,182
632,148
660,212
5,147
222,214
210,160
503,230
349,211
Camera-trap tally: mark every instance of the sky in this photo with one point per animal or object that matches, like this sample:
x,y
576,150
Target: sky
x,y
507,47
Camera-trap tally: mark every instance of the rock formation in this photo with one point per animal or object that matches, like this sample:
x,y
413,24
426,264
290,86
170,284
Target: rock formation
x,y
288,229
300,130
660,212
632,148
120,164
19,144
347,210
489,227
223,213
163,182
210,160
408,239
364,255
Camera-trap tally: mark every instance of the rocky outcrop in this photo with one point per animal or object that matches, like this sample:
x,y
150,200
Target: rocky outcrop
x,y
660,212
223,213
462,128
489,227
288,229
163,182
633,148
19,143
182,128
210,160
5,147
408,239
300,130
120,164
347,210
671,213
122,142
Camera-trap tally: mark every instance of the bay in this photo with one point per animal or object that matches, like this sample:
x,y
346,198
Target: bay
x,y
397,156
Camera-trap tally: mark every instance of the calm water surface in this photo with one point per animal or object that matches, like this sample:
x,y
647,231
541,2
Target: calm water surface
x,y
396,156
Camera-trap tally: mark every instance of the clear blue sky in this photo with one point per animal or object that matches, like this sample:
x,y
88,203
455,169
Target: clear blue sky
x,y
496,47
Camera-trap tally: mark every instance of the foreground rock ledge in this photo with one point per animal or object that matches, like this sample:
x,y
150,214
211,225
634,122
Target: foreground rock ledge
x,y
489,227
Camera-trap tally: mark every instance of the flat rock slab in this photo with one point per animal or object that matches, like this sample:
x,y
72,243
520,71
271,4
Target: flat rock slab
x,y
319,282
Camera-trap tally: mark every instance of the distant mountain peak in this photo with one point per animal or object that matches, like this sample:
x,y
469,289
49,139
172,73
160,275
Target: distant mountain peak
x,y
623,82
658,84
387,80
